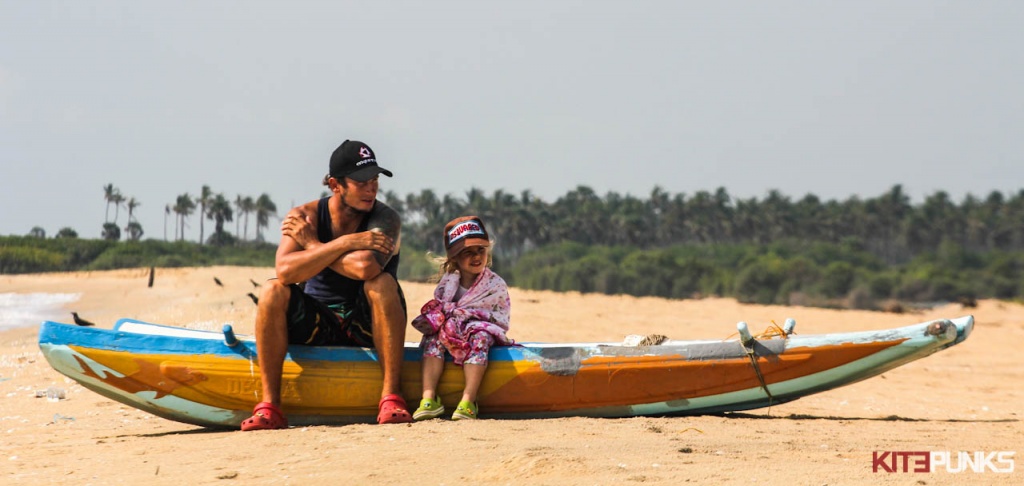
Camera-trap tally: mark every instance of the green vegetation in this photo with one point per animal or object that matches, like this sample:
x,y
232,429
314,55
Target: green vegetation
x,y
861,253
32,255
871,253
787,272
212,206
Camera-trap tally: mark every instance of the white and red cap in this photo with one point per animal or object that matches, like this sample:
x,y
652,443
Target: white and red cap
x,y
464,232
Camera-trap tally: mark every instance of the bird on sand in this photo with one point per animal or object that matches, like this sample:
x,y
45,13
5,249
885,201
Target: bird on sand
x,y
254,283
255,300
80,321
219,284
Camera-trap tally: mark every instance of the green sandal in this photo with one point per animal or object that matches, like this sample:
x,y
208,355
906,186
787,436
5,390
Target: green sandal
x,y
465,410
429,408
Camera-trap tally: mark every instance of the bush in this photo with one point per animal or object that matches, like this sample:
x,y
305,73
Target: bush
x,y
694,277
883,285
416,265
759,281
23,259
837,279
26,255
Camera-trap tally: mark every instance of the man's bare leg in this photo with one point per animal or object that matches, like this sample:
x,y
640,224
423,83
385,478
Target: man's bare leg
x,y
388,329
272,337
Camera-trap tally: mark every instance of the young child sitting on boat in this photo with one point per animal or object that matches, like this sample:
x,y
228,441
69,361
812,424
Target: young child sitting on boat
x,y
468,314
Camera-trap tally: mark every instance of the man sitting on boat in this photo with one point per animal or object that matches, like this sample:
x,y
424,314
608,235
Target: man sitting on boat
x,y
345,248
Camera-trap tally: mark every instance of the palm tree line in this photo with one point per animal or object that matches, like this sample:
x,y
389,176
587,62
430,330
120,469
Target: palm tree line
x,y
212,206
888,225
111,231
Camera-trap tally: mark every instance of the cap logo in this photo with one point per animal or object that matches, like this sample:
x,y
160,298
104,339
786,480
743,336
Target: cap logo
x,y
364,152
464,229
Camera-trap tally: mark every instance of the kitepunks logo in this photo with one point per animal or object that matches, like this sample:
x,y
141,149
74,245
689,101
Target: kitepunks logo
x,y
942,461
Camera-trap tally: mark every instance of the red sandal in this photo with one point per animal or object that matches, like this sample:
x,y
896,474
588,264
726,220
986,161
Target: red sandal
x,y
265,416
392,410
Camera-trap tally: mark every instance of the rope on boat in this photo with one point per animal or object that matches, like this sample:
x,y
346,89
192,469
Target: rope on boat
x,y
747,341
760,378
771,332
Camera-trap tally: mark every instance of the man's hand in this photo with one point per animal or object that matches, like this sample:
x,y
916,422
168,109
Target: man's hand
x,y
299,227
373,240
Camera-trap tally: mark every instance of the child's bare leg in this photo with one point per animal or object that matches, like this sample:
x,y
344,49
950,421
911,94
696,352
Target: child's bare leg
x,y
432,369
474,375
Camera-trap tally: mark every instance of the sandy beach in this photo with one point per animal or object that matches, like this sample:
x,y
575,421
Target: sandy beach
x,y
966,398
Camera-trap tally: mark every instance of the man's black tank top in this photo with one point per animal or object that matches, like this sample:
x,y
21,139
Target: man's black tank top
x,y
329,286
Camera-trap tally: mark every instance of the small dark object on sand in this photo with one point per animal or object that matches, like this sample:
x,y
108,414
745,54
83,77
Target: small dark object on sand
x,y
968,302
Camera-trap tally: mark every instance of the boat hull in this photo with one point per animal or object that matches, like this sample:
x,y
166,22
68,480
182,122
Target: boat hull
x,y
195,377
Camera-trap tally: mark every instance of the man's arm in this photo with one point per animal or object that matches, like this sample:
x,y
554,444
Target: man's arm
x,y
367,264
301,255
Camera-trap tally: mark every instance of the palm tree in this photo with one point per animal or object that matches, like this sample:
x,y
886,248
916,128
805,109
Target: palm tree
x,y
583,214
813,221
476,203
117,200
131,205
659,203
418,206
134,230
248,207
111,232
631,224
219,210
932,222
183,208
709,216
451,208
203,200
394,202
265,208
112,196
533,211
776,215
995,214
108,195
1014,220
167,212
508,230
238,221
887,214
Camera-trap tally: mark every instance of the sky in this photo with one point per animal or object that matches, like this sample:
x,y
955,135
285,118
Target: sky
x,y
836,99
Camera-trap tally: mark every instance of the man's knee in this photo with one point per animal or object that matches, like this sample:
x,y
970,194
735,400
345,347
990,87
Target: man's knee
x,y
383,286
275,294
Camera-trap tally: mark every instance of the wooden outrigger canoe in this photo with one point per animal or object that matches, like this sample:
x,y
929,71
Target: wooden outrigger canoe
x,y
197,377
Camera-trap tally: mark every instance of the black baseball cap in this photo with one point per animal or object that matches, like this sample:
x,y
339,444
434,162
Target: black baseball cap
x,y
356,161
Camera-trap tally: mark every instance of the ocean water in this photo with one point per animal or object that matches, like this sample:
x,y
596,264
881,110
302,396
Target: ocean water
x,y
20,310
